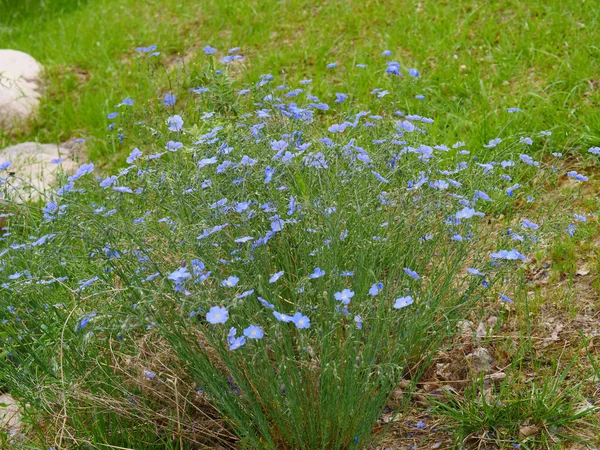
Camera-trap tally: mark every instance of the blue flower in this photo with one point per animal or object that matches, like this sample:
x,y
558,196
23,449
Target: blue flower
x,y
317,273
344,296
113,115
180,275
277,225
269,174
467,213
413,72
175,123
276,276
127,102
386,53
412,273
169,100
173,146
230,281
300,320
208,50
135,154
358,321
475,271
482,195
403,302
84,169
505,298
508,254
529,224
254,332
331,65
146,49
217,314
577,176
235,343
526,140
282,317
375,289
339,98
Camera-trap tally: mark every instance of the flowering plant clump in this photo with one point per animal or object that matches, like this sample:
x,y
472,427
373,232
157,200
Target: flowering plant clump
x,y
299,261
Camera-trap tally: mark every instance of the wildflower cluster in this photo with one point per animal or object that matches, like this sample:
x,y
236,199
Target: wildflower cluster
x,y
298,270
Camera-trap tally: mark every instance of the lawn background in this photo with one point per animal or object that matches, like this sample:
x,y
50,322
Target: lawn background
x,y
476,57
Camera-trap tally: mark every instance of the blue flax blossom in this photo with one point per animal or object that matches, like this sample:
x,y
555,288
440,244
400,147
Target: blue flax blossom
x,y
126,102
577,176
230,281
403,302
317,273
359,322
173,146
529,224
84,321
86,283
473,271
217,314
510,255
282,317
276,276
84,169
375,289
254,332
208,50
504,298
467,213
413,72
175,123
169,100
412,273
135,154
149,49
235,342
344,296
339,98
300,320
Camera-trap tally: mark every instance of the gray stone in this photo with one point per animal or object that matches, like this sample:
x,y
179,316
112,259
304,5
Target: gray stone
x,y
34,169
10,419
19,87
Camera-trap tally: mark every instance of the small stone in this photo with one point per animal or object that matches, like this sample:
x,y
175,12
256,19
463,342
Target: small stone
x,y
19,87
34,169
481,359
10,419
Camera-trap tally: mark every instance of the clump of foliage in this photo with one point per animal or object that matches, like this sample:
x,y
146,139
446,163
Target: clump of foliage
x,y
295,271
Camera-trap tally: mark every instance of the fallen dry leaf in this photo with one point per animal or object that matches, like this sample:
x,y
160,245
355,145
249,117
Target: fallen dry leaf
x,y
529,430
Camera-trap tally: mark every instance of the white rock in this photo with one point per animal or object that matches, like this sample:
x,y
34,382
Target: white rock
x,y
19,87
481,360
10,419
33,172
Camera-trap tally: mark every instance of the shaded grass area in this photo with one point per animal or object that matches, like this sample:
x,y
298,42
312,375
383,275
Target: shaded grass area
x,y
476,58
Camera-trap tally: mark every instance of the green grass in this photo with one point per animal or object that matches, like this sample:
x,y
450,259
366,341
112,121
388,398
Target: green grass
x,y
538,55
85,388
